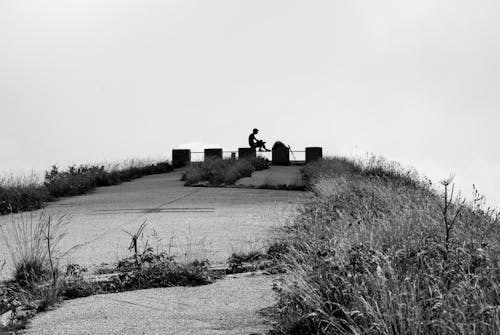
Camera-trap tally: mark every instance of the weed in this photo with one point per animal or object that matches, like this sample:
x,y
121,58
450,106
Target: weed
x,y
258,259
376,250
134,241
218,172
28,193
33,242
22,193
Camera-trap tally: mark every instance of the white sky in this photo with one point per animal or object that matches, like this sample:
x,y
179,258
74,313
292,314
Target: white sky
x,y
414,81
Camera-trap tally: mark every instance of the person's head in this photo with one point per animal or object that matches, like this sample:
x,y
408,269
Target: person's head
x,y
255,130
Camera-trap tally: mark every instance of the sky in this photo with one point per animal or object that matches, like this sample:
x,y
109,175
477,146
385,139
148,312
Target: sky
x,y
414,81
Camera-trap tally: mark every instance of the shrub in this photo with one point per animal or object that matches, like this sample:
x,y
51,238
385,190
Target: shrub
x,y
25,194
374,167
81,179
147,269
217,172
22,194
33,242
166,272
368,254
259,163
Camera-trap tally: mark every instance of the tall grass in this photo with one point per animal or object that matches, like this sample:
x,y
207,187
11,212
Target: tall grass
x,y
81,179
217,172
33,242
24,194
370,254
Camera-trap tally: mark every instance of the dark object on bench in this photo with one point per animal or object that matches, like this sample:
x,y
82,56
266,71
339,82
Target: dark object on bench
x,y
281,154
279,144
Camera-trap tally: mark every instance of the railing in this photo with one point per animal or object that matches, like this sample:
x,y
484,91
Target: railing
x,y
295,156
279,156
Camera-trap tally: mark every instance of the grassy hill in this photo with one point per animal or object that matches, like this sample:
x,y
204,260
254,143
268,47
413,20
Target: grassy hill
x,y
380,250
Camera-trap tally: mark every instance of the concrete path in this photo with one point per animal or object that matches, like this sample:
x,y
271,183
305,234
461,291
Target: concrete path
x,y
274,177
202,223
195,222
230,306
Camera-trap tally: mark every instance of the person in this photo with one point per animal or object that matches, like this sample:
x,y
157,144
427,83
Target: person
x,y
255,143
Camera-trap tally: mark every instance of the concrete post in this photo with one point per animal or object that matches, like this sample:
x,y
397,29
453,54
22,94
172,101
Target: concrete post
x,y
281,156
246,153
313,154
213,153
181,157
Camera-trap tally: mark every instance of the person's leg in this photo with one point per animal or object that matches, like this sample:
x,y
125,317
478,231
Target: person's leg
x,y
259,144
263,145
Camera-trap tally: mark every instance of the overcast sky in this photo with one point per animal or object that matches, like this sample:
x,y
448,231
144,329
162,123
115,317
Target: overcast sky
x,y
414,81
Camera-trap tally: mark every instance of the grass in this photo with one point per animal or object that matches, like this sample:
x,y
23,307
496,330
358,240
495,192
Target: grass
x,y
39,284
378,250
151,269
219,172
33,242
25,194
257,259
22,193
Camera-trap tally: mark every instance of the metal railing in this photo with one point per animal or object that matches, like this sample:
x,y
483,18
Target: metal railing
x,y
298,156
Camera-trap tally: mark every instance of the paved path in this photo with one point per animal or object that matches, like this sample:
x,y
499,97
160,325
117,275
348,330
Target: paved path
x,y
230,306
194,221
204,223
274,177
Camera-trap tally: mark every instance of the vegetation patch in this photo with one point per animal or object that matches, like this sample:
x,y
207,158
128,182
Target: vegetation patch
x,y
377,250
220,172
267,260
24,194
38,283
283,187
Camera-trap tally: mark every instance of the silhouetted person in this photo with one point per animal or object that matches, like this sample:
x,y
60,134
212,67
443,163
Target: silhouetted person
x,y
255,143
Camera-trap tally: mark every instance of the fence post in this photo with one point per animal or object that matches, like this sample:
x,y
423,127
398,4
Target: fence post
x,y
246,153
313,154
213,153
181,157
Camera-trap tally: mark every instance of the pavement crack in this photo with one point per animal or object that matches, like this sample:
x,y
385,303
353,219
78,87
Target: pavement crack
x,y
134,220
137,304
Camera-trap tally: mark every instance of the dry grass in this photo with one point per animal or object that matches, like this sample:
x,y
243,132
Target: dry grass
x,y
33,242
25,193
219,172
369,254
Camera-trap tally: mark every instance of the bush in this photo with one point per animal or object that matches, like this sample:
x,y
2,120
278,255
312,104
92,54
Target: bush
x,y
368,254
217,172
33,241
259,163
80,180
25,195
22,196
374,167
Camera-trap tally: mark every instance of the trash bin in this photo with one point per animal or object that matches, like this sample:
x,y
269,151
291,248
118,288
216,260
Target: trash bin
x,y
280,156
